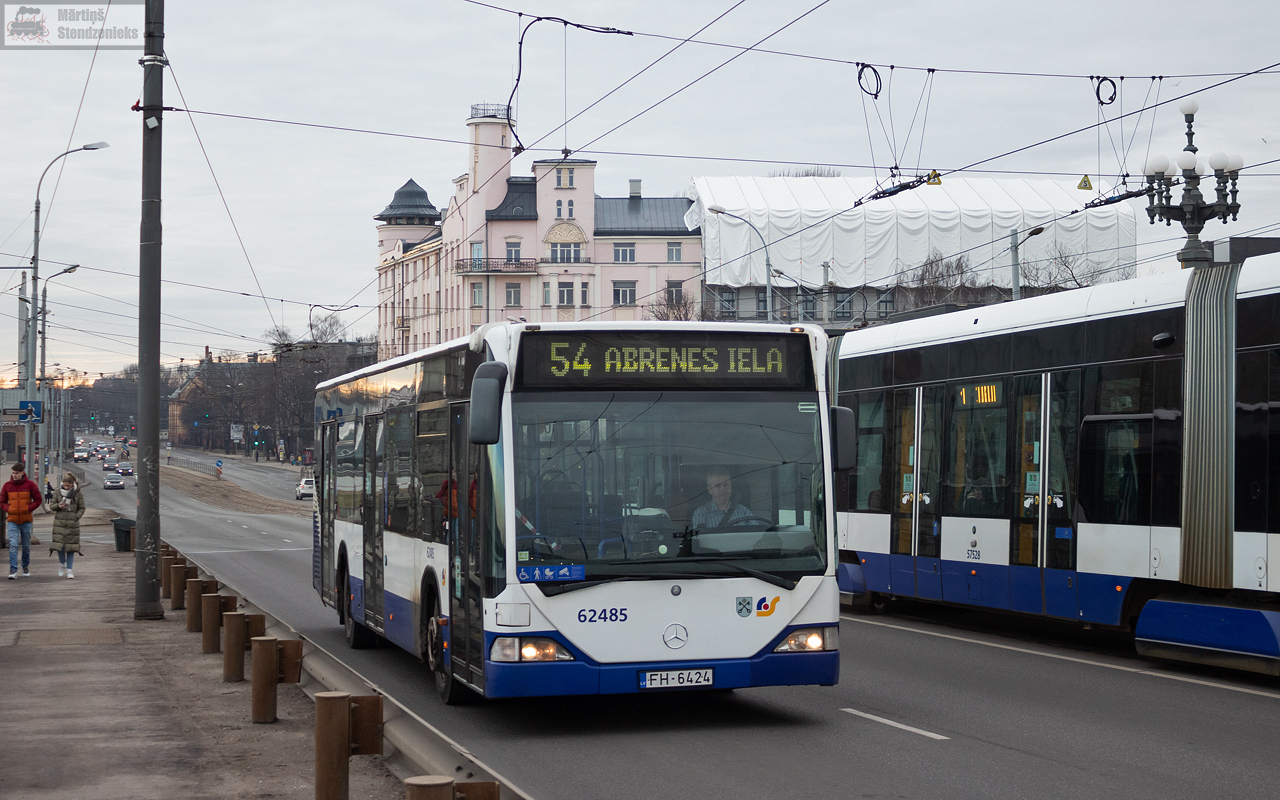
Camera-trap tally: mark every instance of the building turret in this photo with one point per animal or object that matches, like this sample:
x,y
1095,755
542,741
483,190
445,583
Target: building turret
x,y
410,218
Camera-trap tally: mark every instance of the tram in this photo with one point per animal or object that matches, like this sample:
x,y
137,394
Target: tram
x,y
587,508
1057,456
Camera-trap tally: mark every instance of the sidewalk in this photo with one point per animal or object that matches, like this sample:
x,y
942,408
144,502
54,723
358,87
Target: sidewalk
x,y
96,704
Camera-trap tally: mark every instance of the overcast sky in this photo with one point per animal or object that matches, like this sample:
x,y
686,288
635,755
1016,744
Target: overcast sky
x,y
303,198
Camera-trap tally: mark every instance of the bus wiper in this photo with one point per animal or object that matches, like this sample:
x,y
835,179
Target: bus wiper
x,y
553,589
767,577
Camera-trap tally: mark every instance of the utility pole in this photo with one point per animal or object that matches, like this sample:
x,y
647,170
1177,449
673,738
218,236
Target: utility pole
x,y
23,364
146,593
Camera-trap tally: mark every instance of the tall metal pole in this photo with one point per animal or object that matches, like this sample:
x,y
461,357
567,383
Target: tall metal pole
x,y
24,370
146,597
33,310
1013,245
42,385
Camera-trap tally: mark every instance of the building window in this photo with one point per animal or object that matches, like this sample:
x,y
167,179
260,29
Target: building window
x,y
728,303
762,302
513,251
566,253
624,293
513,295
559,209
570,209
559,178
477,250
564,177
585,287
808,306
477,294
624,252
844,305
675,291
673,252
566,293
546,293
884,305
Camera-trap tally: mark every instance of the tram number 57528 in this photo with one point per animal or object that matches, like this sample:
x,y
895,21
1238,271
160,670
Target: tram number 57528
x,y
973,555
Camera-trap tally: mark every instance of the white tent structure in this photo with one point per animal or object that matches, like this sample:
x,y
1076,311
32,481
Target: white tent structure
x,y
808,221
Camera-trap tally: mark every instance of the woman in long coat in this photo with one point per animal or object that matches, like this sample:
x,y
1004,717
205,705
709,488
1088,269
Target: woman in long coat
x,y
68,508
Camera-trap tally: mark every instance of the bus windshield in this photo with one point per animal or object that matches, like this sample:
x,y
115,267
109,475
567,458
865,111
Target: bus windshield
x,y
669,484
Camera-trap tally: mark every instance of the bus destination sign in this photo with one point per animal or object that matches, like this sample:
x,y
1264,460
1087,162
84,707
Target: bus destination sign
x,y
664,360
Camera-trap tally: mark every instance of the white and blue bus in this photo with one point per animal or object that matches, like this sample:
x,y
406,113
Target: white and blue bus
x,y
587,508
1033,457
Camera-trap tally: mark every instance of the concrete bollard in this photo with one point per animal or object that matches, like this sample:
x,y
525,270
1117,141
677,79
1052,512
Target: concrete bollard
x,y
333,746
233,632
429,787
210,623
255,625
265,674
166,570
195,588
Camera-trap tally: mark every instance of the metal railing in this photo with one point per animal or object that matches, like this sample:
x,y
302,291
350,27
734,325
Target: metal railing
x,y
195,466
495,110
464,265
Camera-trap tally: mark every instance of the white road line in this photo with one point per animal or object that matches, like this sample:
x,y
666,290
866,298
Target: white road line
x,y
290,541
244,526
884,721
1090,662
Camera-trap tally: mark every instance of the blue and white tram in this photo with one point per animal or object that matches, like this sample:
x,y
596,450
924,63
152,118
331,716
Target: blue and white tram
x,y
587,508
1031,457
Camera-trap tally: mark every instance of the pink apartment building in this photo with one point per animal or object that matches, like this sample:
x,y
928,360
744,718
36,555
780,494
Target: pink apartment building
x,y
542,247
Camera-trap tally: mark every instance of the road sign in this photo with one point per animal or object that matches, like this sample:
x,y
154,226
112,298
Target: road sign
x,y
218,463
32,408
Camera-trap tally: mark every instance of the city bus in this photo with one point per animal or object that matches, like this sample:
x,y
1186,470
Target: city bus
x,y
587,508
1032,457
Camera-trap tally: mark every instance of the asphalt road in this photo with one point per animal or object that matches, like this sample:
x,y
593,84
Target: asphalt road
x,y
930,704
264,477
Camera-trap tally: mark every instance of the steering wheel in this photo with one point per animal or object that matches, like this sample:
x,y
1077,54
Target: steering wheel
x,y
741,520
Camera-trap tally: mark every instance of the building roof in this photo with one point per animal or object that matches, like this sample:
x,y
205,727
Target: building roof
x,y
521,201
642,216
566,161
410,200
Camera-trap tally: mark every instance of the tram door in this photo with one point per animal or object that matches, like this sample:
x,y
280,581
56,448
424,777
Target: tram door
x,y
915,543
1042,555
466,607
375,470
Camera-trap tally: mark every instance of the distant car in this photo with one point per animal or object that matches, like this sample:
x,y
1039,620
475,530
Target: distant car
x,y
305,488
125,468
133,442
81,455
113,482
110,464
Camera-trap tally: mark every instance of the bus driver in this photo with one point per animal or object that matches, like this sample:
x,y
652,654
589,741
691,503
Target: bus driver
x,y
721,511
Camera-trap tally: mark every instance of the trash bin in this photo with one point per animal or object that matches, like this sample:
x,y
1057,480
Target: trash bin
x,y
124,533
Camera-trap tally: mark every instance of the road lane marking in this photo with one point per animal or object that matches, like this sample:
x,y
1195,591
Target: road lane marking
x,y
244,526
1090,662
290,541
890,722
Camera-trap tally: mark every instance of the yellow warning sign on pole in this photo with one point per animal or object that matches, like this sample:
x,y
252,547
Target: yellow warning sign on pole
x,y
934,179
1085,184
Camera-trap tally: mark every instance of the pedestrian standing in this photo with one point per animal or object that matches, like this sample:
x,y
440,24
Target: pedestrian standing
x,y
66,524
19,497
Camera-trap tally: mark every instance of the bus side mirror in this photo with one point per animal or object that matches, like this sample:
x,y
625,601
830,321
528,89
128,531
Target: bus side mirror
x,y
486,402
844,438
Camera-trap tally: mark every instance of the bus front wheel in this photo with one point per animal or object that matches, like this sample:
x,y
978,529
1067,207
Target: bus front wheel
x,y
450,690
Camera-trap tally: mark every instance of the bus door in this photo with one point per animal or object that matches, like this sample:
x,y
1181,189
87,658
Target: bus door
x,y
916,536
375,471
326,502
466,582
1042,555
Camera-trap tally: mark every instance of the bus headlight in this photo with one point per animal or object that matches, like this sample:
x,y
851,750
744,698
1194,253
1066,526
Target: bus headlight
x,y
515,648
809,640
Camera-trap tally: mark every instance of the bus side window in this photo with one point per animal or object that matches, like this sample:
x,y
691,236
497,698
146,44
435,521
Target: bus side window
x,y
402,483
433,473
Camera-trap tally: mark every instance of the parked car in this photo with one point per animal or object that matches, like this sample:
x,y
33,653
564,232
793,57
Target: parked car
x,y
113,482
110,464
305,488
81,455
125,468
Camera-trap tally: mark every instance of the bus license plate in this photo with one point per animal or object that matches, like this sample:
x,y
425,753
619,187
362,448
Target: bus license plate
x,y
675,678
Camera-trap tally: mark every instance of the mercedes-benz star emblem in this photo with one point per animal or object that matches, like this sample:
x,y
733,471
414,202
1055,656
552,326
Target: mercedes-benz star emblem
x,y
675,636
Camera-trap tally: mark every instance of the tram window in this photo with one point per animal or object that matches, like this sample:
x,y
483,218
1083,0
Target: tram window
x,y
1115,471
976,478
350,469
866,372
1064,419
1027,470
868,481
1119,388
986,356
1256,321
920,365
1273,442
1129,336
1166,445
1251,441
433,472
1059,346
402,484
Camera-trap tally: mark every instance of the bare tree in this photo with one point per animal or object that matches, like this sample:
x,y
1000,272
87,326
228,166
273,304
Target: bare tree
x,y
327,328
676,308
1067,269
806,172
280,337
